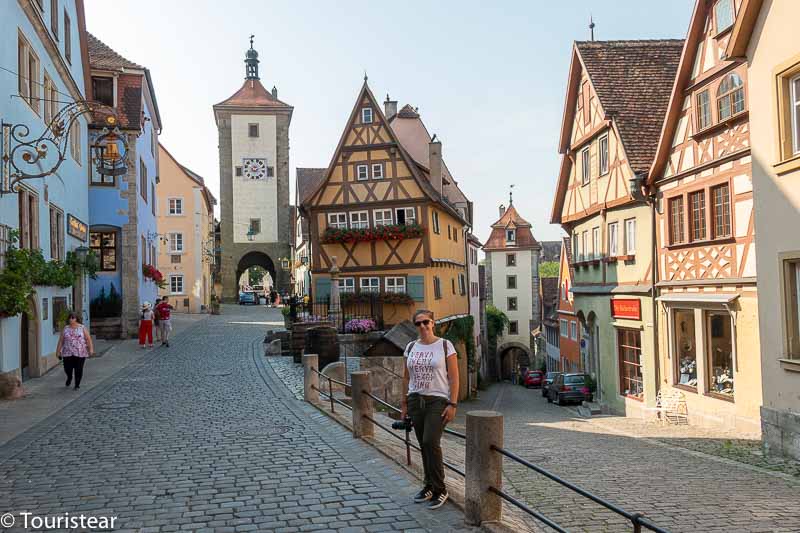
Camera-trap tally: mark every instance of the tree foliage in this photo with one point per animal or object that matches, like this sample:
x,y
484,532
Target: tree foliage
x,y
548,269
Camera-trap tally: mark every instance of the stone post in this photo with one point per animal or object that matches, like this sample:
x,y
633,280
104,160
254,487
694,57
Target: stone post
x,y
362,405
484,467
310,378
334,306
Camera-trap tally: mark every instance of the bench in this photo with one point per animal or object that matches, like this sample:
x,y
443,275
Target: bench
x,y
671,407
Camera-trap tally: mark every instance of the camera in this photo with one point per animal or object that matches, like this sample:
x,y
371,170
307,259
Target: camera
x,y
404,424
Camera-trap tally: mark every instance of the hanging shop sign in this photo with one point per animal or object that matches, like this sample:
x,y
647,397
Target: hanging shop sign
x,y
77,229
630,308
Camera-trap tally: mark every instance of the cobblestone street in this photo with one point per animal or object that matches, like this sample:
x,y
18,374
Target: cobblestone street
x,y
202,436
640,467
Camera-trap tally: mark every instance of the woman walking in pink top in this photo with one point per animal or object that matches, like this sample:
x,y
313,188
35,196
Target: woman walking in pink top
x,y
74,346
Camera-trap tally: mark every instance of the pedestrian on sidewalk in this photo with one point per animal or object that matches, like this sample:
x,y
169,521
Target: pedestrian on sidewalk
x,y
165,324
146,326
157,321
74,346
430,378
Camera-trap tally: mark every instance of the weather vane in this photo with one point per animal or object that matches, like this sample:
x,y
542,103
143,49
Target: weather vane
x,y
251,41
511,195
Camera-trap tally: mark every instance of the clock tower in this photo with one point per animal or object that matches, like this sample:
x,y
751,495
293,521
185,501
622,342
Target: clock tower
x,y
253,128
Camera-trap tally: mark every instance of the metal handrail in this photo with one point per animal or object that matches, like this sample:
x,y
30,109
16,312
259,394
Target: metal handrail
x,y
455,433
343,383
537,515
332,398
636,519
385,404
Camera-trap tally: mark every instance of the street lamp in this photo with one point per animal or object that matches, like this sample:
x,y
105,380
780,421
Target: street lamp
x,y
251,235
81,252
284,263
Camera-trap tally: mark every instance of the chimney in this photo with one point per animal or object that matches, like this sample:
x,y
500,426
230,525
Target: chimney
x,y
435,163
502,210
389,108
274,92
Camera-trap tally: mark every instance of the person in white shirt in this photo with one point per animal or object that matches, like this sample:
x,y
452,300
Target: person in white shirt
x,y
431,381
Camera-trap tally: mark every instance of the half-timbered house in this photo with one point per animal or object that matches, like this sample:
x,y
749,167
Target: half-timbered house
x,y
392,215
617,94
708,312
568,330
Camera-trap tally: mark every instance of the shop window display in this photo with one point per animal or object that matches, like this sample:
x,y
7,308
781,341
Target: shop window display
x,y
685,347
720,354
631,383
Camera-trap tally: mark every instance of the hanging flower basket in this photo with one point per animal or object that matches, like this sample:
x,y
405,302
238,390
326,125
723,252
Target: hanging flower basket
x,y
394,232
153,274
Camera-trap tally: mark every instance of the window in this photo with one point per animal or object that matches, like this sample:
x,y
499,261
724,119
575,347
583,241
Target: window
x,y
154,257
270,171
703,110
28,219
511,236
382,217
676,220
369,284
406,215
74,140
513,327
462,284
54,18
437,288
564,325
396,285
337,220
28,77
143,180
596,243
67,38
455,234
238,171
175,206
730,96
255,226
104,245
585,168
573,330
721,211
377,170
175,259
603,155
791,302
630,236
723,15
511,282
629,344
453,284
697,218
59,307
143,249
5,242
176,243
685,347
794,102
585,245
56,233
252,130
436,228
153,196
103,90
176,284
511,260
366,115
719,372
48,99
346,284
613,239
359,220
511,303
362,172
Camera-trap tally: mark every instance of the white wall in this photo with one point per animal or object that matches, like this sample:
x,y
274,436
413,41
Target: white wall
x,y
523,292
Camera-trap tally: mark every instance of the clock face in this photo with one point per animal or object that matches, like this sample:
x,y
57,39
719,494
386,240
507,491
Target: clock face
x,y
254,169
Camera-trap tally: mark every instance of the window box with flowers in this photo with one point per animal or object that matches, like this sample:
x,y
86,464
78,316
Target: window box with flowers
x,y
399,298
392,232
153,274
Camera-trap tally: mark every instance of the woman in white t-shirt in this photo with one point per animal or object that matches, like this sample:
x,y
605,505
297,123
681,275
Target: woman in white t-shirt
x,y
431,381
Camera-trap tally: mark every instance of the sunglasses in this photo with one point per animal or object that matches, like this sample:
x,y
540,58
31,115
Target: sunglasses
x,y
422,322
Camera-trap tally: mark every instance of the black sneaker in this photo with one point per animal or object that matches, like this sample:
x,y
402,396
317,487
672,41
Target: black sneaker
x,y
437,500
424,495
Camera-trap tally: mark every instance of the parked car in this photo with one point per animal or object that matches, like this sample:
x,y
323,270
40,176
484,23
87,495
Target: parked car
x,y
569,388
533,378
246,298
548,379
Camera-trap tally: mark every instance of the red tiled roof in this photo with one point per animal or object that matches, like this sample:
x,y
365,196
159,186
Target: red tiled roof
x,y
253,94
511,219
101,56
408,112
633,80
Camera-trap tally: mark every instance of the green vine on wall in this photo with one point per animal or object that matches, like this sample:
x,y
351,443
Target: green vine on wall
x,y
460,330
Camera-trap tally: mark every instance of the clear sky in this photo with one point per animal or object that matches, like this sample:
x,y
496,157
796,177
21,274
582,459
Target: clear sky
x,y
488,77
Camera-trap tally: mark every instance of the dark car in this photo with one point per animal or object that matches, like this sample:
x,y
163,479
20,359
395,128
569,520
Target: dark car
x,y
548,379
533,378
569,388
247,298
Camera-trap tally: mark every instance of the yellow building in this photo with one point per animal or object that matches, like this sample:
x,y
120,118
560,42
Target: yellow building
x,y
765,35
186,227
390,212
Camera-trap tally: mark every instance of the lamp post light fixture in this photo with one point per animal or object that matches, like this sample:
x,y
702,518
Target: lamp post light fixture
x,y
81,252
251,235
284,263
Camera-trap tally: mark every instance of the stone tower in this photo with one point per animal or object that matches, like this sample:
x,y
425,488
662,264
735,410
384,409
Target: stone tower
x,y
253,130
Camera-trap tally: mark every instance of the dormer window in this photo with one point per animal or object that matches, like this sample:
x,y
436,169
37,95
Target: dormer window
x,y
103,90
366,115
511,235
723,15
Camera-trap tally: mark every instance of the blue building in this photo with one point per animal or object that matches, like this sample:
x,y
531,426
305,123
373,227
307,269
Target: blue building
x,y
45,69
122,219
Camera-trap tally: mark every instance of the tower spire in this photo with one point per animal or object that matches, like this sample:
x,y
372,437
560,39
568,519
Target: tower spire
x,y
591,28
251,62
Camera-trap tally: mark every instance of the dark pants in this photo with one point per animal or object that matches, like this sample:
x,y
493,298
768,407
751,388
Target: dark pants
x,y
74,364
426,414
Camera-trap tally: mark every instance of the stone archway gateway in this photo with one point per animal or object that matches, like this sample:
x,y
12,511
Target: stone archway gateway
x,y
252,259
511,355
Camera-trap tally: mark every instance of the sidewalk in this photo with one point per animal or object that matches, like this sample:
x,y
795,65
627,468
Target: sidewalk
x,y
47,395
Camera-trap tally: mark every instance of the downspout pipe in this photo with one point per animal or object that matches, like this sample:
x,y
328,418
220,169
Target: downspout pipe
x,y
652,201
